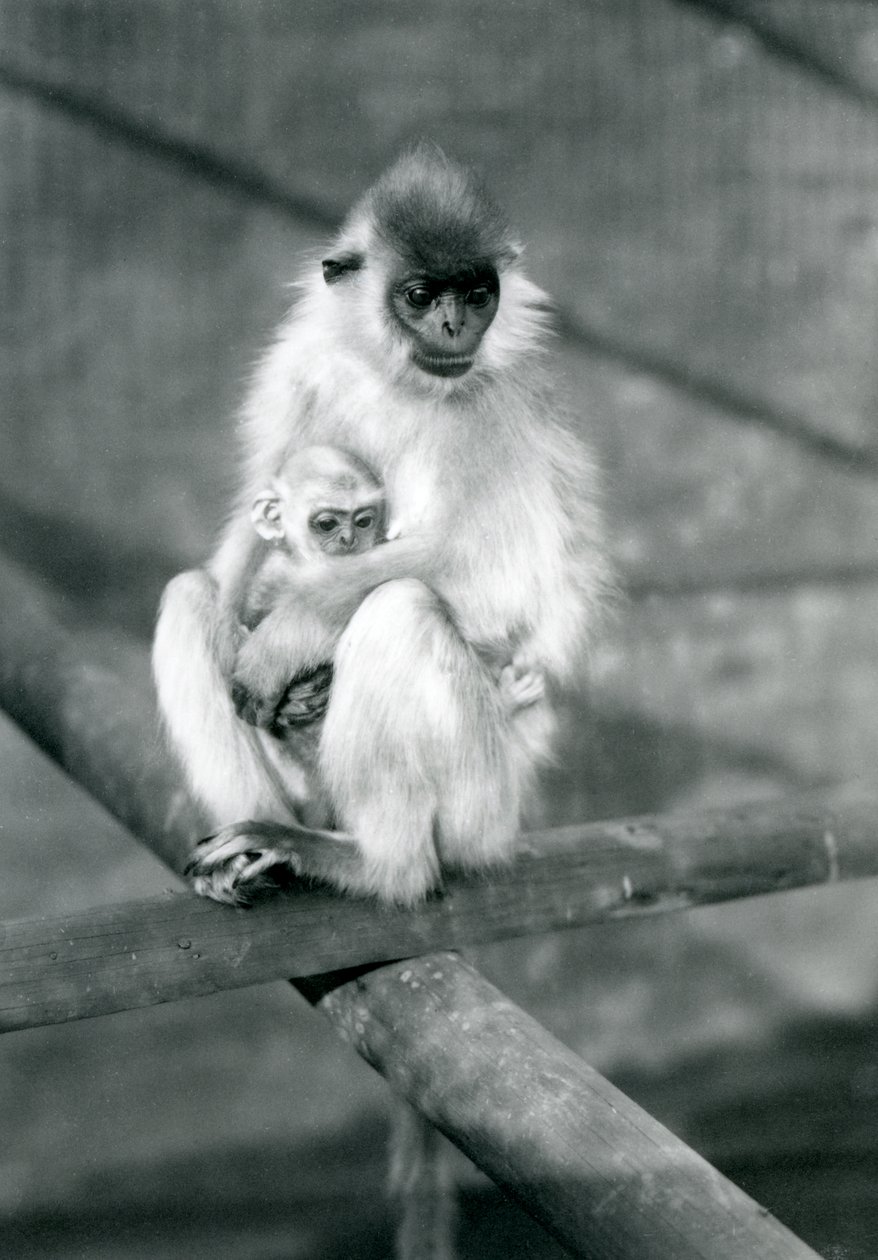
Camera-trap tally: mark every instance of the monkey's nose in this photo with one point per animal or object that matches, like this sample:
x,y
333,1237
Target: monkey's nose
x,y
453,315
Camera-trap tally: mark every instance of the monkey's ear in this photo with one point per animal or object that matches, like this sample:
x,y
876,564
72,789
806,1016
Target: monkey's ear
x,y
266,517
337,268
510,252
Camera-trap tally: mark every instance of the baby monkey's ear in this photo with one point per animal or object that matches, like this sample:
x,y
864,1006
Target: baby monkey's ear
x,y
266,516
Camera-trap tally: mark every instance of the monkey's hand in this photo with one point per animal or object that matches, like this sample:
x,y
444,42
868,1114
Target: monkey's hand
x,y
521,684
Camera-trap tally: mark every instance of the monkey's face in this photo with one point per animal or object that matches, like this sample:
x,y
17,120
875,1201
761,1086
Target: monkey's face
x,y
444,317
343,531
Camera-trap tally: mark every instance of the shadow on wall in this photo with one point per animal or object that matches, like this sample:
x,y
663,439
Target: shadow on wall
x,y
613,762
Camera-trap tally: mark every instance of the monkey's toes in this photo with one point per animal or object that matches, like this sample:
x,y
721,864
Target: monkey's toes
x,y
305,700
231,867
250,707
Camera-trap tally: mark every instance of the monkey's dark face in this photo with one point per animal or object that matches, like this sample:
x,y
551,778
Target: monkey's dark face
x,y
346,532
444,317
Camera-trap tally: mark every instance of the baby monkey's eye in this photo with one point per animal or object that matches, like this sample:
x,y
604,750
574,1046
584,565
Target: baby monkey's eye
x,y
326,524
365,521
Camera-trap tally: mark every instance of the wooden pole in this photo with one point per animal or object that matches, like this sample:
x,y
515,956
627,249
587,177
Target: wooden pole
x,y
157,950
603,1177
85,697
599,1173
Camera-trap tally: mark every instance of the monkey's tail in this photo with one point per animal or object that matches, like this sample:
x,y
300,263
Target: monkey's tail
x,y
421,1184
229,767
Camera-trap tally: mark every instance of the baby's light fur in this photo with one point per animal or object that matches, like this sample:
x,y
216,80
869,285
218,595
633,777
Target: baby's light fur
x,y
498,558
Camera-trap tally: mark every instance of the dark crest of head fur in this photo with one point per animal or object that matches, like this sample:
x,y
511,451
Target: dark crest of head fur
x,y
435,215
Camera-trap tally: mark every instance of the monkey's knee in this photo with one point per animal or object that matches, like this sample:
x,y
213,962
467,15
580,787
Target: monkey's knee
x,y
189,624
191,591
395,634
397,604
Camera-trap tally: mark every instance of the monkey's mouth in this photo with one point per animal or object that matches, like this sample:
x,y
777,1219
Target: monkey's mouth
x,y
443,364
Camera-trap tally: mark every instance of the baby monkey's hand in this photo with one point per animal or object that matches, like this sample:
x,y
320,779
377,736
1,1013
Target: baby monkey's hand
x,y
521,683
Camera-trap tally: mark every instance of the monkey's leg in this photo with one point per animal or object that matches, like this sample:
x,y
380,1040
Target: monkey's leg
x,y
415,749
225,763
415,755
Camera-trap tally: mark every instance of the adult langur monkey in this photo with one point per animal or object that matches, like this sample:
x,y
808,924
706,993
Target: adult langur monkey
x,y
421,350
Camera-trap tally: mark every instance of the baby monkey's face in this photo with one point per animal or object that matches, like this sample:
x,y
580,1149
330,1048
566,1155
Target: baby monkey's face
x,y
348,530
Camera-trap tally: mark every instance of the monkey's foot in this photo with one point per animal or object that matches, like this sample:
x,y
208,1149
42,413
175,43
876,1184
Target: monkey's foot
x,y
236,867
305,700
520,690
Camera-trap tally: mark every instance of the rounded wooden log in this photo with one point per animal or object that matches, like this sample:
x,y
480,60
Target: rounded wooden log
x,y
603,1177
142,952
86,698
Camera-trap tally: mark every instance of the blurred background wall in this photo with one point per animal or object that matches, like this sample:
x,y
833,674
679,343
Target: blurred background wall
x,y
696,184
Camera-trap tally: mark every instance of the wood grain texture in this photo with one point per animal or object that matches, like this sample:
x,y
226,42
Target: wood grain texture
x,y
603,1177
144,952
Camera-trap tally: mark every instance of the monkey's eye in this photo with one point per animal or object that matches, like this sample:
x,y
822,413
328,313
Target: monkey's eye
x,y
365,521
326,524
419,296
480,296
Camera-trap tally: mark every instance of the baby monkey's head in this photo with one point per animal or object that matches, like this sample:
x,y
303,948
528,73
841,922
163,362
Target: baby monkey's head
x,y
323,500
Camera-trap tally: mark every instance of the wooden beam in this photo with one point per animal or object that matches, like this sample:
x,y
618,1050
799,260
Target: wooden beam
x,y
85,697
603,1177
144,952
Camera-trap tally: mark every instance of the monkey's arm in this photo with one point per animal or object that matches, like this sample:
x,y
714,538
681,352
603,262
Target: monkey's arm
x,y
336,587
297,639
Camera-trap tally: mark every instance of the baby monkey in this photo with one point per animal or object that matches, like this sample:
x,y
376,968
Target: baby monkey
x,y
323,503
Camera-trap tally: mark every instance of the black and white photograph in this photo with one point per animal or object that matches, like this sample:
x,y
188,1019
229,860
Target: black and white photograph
x,y
439,630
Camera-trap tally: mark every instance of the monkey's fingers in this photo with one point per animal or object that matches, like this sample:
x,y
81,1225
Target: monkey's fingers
x,y
251,706
519,691
247,879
